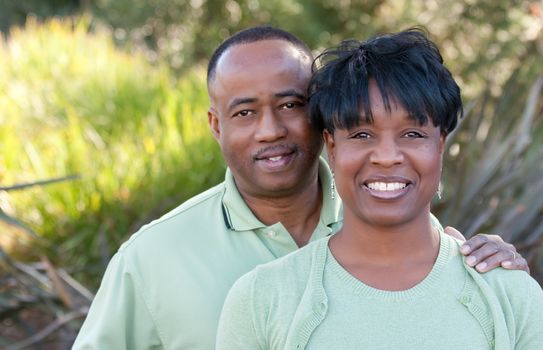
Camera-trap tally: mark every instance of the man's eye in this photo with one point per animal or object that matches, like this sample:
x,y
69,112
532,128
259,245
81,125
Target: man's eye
x,y
243,113
291,105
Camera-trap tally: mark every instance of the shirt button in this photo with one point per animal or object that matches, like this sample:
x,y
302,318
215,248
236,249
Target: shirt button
x,y
271,233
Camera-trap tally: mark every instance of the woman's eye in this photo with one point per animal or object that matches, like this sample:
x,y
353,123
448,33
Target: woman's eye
x,y
413,135
361,135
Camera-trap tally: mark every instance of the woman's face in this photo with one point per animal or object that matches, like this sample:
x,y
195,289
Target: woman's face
x,y
386,172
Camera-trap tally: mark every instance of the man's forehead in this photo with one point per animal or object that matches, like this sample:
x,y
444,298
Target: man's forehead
x,y
262,53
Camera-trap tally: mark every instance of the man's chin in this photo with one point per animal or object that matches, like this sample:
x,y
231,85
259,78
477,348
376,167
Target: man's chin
x,y
280,187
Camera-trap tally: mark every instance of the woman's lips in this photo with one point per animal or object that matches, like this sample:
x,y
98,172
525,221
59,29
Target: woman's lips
x,y
387,189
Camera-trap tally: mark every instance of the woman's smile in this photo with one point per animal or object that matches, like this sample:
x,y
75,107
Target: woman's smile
x,y
387,189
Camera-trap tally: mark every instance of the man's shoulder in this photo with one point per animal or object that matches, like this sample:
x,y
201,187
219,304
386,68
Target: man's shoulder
x,y
210,197
182,219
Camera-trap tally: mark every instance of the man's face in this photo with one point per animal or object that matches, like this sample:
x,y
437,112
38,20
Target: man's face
x,y
259,118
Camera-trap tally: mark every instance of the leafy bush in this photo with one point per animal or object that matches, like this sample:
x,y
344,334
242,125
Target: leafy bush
x,y
493,175
74,104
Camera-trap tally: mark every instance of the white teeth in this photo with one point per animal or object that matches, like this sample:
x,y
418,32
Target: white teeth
x,y
275,159
381,186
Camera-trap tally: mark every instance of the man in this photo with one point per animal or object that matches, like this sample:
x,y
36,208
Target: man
x,y
165,287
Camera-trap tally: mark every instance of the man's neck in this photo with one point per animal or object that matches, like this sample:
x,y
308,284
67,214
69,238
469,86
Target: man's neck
x,y
299,212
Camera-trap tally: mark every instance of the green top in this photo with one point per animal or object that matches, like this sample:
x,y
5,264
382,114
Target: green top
x,y
165,287
307,300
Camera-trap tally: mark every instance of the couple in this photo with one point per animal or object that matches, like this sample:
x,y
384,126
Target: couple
x,y
165,287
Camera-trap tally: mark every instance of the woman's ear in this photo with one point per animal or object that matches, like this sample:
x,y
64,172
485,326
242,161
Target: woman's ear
x,y
442,141
330,147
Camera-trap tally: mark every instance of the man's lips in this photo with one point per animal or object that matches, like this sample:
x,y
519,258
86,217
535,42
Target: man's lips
x,y
276,157
274,153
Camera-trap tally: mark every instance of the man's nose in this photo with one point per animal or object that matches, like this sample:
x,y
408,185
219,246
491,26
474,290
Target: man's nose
x,y
387,153
270,127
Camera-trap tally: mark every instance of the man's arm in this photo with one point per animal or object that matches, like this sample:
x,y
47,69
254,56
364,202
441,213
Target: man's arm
x,y
118,317
486,252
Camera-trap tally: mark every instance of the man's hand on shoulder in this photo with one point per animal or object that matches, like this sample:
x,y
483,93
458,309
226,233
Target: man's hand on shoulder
x,y
486,252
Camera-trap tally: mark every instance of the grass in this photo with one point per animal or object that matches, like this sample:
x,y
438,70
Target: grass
x,y
74,104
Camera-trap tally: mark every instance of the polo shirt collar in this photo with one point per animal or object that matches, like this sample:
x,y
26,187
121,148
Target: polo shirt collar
x,y
239,217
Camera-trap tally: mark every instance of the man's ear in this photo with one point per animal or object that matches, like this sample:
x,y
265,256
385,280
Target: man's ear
x,y
330,147
213,120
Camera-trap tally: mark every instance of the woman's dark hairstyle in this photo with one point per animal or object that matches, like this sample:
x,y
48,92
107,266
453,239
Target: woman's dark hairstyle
x,y
251,35
406,67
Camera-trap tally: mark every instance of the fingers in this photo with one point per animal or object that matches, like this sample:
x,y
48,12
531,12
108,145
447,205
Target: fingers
x,y
451,231
486,252
516,263
486,256
489,262
478,241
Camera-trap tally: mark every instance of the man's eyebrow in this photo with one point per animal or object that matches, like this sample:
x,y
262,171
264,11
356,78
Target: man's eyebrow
x,y
239,101
291,93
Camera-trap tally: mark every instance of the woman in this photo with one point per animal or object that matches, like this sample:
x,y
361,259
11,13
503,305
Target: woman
x,y
388,279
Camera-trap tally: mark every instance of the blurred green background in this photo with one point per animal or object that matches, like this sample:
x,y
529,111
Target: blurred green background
x,y
108,97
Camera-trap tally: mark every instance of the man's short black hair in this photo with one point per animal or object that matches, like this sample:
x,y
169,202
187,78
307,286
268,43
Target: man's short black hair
x,y
254,34
406,66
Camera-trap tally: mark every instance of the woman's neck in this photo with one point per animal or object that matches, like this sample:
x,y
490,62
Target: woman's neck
x,y
392,257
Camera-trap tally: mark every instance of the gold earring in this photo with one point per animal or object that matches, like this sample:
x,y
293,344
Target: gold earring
x,y
439,190
333,188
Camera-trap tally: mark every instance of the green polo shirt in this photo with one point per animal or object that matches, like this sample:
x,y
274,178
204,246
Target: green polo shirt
x,y
165,287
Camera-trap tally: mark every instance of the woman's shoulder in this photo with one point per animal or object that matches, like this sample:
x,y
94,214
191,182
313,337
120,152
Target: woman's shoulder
x,y
501,281
286,275
271,292
294,266
512,282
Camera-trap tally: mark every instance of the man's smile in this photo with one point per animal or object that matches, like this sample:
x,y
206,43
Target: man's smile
x,y
276,157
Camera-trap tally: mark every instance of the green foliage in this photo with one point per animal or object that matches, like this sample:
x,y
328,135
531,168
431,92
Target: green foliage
x,y
14,12
73,104
493,173
481,39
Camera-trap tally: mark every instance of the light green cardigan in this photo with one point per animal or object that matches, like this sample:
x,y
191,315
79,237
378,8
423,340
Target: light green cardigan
x,y
280,304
